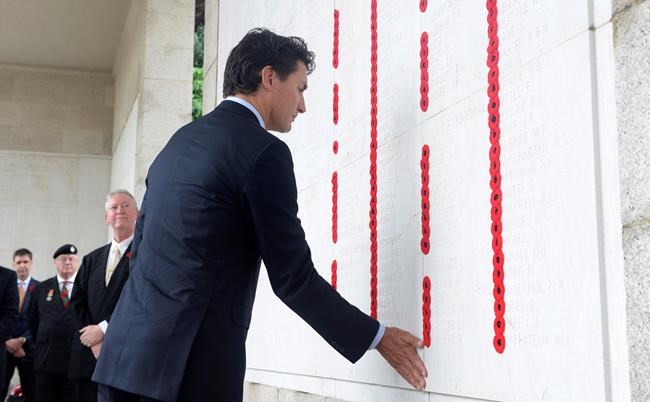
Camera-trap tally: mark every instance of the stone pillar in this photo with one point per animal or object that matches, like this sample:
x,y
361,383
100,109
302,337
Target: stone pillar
x,y
153,71
210,46
631,20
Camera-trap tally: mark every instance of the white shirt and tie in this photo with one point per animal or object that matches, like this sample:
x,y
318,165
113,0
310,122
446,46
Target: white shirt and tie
x,y
115,254
22,290
68,283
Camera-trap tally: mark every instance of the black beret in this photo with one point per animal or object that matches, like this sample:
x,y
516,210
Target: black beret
x,y
65,249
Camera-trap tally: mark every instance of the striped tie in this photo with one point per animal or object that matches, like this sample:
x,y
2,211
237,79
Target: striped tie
x,y
64,294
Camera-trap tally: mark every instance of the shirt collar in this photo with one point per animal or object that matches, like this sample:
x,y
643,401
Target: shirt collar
x,y
248,106
70,280
123,245
26,281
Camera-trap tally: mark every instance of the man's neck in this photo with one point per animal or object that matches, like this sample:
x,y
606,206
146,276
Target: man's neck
x,y
119,237
257,103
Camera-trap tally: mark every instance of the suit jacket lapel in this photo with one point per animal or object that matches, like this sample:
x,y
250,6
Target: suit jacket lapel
x,y
28,295
56,298
97,281
117,280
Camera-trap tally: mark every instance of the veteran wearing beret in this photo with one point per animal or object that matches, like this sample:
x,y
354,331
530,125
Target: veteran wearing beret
x,y
51,325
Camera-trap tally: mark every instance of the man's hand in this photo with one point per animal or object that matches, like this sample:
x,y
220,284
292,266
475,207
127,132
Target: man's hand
x,y
96,348
20,352
13,344
398,347
91,335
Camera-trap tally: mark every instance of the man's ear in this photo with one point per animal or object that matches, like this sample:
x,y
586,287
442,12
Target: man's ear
x,y
267,77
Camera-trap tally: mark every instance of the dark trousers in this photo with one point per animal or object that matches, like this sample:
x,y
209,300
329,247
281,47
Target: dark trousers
x,y
110,394
53,387
85,390
25,368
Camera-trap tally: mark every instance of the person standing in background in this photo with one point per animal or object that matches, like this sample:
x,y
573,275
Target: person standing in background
x,y
8,311
52,328
98,285
20,347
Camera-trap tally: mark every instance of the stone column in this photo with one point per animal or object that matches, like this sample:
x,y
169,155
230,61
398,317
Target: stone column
x,y
631,20
210,46
153,95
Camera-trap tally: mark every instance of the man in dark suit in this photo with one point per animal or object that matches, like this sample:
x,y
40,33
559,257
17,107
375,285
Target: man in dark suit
x,y
221,196
98,285
52,328
20,346
8,311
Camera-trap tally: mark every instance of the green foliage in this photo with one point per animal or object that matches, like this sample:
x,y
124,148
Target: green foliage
x,y
198,46
197,92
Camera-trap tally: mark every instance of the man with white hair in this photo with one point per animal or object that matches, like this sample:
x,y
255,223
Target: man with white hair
x,y
98,285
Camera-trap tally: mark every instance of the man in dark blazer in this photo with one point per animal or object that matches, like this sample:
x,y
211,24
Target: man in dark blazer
x,y
8,311
20,346
221,196
98,285
52,328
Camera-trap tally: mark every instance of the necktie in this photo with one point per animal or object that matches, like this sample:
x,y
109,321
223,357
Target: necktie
x,y
65,297
115,258
21,295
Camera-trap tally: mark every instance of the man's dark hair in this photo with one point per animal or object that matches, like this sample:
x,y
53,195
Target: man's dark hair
x,y
22,252
260,48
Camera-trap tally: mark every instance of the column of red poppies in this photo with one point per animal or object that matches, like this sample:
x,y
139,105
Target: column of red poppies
x,y
425,243
335,145
424,71
426,311
499,341
373,158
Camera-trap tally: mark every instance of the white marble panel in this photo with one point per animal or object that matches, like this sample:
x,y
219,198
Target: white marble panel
x,y
558,345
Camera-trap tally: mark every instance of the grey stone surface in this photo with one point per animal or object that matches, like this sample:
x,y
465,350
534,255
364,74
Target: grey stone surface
x,y
636,246
632,52
620,5
258,392
49,110
264,393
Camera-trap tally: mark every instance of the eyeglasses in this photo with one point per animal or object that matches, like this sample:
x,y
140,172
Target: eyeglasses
x,y
65,258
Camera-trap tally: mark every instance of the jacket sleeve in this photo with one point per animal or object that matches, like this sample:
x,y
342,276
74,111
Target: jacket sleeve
x,y
9,308
34,318
79,300
269,195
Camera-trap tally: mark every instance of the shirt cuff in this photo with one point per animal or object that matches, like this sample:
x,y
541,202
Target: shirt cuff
x,y
380,334
103,325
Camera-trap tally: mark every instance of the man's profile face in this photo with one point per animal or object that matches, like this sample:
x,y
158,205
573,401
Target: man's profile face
x,y
66,265
288,99
121,212
23,266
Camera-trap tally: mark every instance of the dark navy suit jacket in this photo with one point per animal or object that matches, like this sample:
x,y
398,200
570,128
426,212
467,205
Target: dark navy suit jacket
x,y
221,197
8,311
21,324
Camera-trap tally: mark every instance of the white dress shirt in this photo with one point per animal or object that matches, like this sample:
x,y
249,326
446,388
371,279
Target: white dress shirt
x,y
123,245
